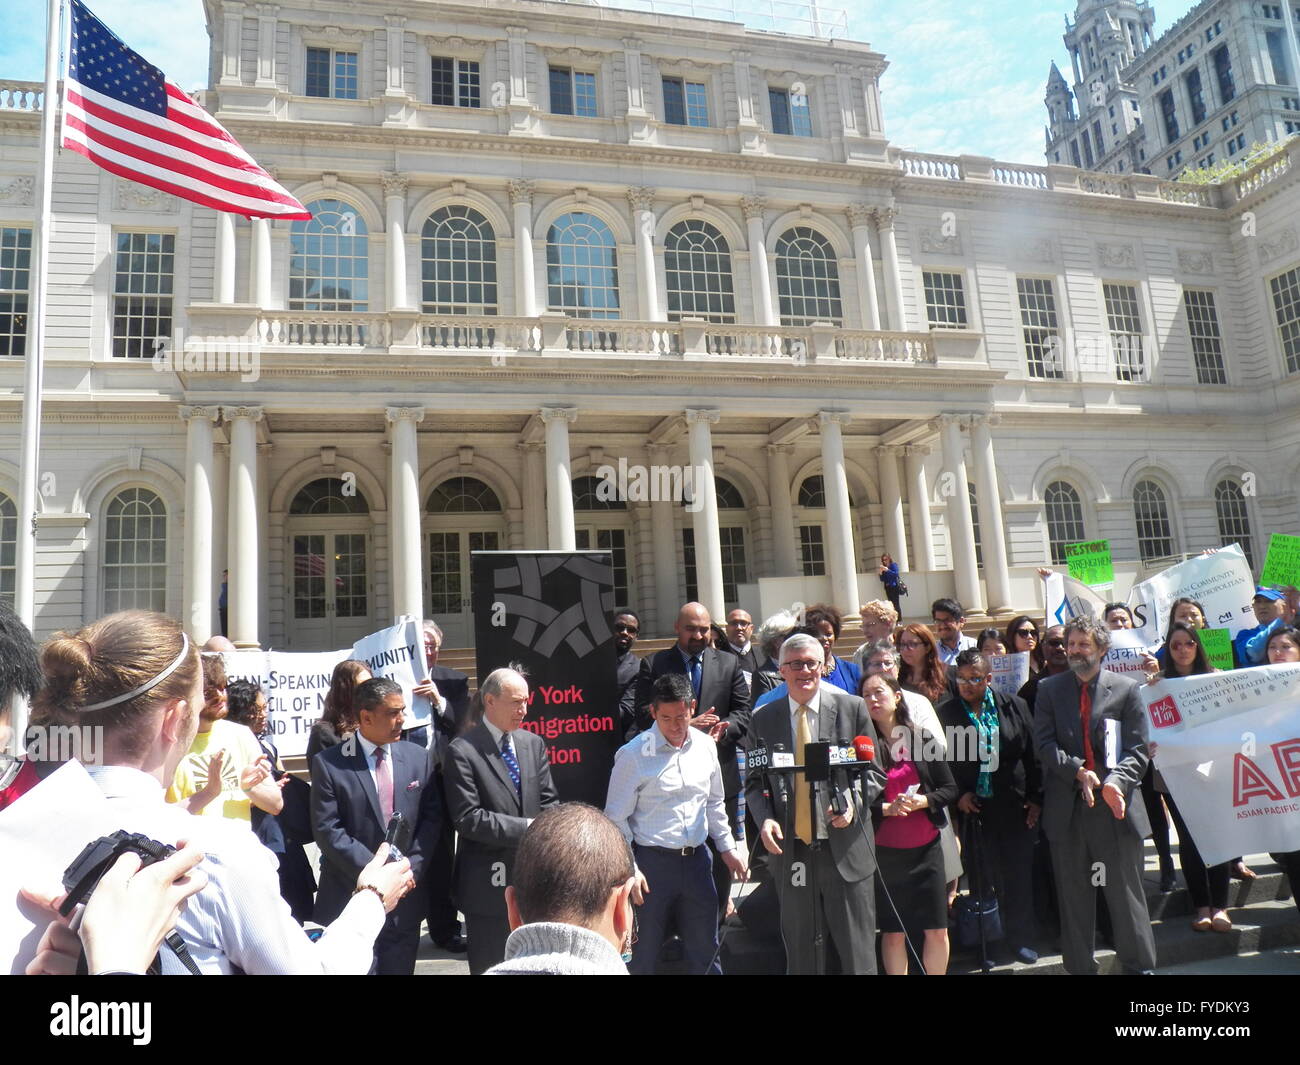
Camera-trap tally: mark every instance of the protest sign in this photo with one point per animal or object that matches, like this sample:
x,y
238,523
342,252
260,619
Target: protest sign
x,y
1282,563
1228,747
397,653
1220,581
1010,672
1127,653
1066,598
1090,563
1218,647
295,684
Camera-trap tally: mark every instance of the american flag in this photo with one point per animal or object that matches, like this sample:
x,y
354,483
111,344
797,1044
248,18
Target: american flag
x,y
121,113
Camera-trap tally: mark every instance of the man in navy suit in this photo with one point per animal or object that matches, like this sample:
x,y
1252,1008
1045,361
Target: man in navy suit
x,y
357,786
721,698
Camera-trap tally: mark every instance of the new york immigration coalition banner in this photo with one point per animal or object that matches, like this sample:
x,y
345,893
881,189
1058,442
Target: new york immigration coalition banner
x,y
549,612
1228,746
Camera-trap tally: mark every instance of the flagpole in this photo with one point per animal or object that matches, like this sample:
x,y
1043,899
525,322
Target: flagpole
x,y
29,472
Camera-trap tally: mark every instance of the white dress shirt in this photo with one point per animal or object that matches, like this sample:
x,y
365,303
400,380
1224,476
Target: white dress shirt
x,y
239,919
666,796
948,655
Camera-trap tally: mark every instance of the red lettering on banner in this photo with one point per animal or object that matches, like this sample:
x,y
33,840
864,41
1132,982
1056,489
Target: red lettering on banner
x,y
1287,754
1164,712
1248,781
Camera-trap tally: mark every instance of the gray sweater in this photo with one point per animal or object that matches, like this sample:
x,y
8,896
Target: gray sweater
x,y
556,949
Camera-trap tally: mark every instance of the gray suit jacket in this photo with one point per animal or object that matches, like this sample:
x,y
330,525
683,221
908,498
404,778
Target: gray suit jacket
x,y
839,719
489,814
1058,738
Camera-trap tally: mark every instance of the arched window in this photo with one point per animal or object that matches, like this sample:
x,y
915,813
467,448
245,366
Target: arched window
x,y
807,278
329,267
330,495
458,250
697,266
135,552
1151,511
8,549
463,495
975,523
588,495
812,493
582,267
1064,519
1234,518
729,497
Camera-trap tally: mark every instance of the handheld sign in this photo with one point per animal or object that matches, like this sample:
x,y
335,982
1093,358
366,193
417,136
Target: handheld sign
x,y
1218,646
1091,563
1282,563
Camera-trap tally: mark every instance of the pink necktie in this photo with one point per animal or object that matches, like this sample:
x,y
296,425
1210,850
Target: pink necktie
x,y
384,784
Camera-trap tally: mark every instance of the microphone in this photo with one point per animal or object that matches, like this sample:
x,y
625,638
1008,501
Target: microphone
x,y
865,747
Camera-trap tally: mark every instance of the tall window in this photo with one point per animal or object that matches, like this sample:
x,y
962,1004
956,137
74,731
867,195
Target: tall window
x,y
1125,325
945,299
332,73
573,92
1277,56
686,103
135,552
1040,327
1192,80
582,267
612,538
142,293
807,278
1207,347
455,82
735,569
1169,112
975,524
15,280
1064,512
8,549
1151,511
791,114
329,265
697,268
1286,308
1223,73
1234,518
458,250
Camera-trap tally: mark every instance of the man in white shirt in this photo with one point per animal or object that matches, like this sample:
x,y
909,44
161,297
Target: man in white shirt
x,y
666,797
949,618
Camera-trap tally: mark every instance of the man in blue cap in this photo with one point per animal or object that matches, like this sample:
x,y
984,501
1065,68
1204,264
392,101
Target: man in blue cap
x,y
1273,609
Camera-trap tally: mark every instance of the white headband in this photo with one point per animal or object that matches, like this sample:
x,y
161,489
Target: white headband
x,y
127,696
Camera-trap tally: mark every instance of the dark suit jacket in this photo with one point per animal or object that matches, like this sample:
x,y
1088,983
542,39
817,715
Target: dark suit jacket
x,y
453,686
1059,741
629,668
839,719
489,814
722,686
751,661
1017,778
348,828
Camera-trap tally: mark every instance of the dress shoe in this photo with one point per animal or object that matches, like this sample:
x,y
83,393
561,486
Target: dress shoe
x,y
1026,955
456,944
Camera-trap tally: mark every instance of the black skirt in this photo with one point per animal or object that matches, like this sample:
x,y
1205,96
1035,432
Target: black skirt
x,y
914,877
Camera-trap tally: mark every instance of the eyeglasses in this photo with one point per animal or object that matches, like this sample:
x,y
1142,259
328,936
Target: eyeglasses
x,y
1055,642
740,624
632,629
1027,632
802,665
971,682
909,645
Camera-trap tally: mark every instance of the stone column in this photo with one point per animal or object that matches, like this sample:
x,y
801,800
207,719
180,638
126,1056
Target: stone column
x,y
704,515
559,481
266,19
860,217
521,200
395,200
997,574
893,278
664,531
632,67
961,530
534,497
841,560
918,492
198,610
223,278
242,594
892,506
261,295
647,284
753,206
395,38
404,511
844,97
785,548
232,15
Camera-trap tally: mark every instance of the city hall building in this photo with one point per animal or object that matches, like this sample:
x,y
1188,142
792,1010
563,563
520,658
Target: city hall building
x,y
554,244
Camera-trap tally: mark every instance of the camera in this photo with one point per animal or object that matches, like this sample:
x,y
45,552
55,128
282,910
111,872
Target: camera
x,y
88,868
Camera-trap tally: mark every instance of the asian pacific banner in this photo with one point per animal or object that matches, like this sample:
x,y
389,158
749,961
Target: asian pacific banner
x,y
1228,747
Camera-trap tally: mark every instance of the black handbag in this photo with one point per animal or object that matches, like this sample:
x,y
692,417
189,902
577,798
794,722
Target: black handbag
x,y
979,921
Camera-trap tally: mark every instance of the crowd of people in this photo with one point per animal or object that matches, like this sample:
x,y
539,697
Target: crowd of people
x,y
1018,797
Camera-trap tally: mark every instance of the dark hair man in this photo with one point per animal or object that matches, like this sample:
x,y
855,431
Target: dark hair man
x,y
949,618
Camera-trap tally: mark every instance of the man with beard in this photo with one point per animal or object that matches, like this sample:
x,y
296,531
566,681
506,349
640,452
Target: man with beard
x,y
627,626
225,773
1091,736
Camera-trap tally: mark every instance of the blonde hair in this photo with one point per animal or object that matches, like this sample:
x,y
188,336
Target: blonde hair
x,y
880,612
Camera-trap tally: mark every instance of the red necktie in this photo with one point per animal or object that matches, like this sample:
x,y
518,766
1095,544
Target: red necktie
x,y
384,784
1085,720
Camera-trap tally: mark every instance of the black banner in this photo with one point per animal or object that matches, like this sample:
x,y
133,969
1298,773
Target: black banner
x,y
549,612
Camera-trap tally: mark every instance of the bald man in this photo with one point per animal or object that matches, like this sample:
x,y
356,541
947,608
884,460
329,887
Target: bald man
x,y
722,704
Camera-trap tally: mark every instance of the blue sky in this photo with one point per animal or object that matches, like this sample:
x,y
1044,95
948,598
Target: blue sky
x,y
964,77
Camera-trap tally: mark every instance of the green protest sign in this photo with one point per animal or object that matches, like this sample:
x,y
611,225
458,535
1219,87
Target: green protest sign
x,y
1218,646
1090,563
1282,564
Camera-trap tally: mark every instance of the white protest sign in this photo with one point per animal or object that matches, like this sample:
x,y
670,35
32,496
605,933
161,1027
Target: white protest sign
x,y
295,684
1220,581
1228,747
1066,598
1010,672
1128,650
397,653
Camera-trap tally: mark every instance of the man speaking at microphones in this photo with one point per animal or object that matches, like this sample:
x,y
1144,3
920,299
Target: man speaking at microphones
x,y
824,864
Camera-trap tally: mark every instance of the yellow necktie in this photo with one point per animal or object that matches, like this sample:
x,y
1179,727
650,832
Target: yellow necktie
x,y
803,823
